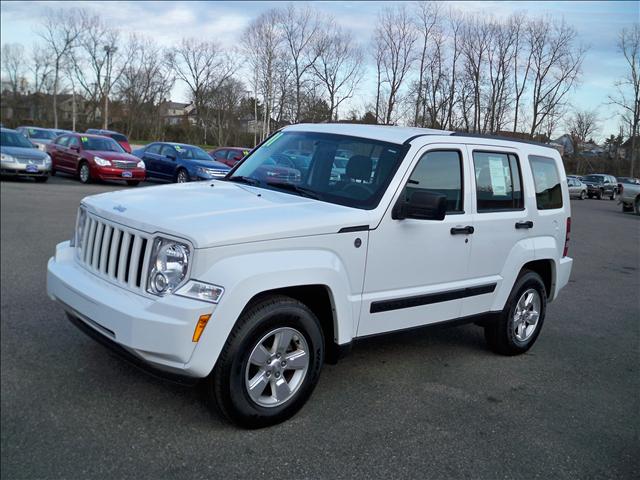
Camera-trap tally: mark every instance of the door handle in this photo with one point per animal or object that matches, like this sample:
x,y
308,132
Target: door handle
x,y
468,230
527,224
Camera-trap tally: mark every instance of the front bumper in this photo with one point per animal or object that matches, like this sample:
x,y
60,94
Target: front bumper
x,y
157,332
111,173
24,170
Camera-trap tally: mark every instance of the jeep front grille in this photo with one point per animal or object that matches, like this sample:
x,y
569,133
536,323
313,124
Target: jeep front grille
x,y
116,253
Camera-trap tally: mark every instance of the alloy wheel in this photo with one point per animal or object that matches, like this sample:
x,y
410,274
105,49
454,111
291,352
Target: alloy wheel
x,y
526,315
277,367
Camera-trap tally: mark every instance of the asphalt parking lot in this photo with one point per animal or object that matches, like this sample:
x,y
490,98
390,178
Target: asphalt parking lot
x,y
428,404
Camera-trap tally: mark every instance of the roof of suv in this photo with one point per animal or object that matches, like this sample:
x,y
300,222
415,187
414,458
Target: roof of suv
x,y
393,134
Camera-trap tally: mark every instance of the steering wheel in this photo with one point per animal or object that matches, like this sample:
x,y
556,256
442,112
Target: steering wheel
x,y
283,160
359,190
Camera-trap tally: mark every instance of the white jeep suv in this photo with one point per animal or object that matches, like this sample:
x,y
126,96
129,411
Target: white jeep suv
x,y
254,281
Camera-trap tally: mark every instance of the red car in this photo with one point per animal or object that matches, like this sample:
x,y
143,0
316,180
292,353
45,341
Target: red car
x,y
94,157
118,137
229,155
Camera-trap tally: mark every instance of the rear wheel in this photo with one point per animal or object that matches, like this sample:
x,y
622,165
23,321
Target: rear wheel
x,y
519,323
583,195
182,176
84,173
270,364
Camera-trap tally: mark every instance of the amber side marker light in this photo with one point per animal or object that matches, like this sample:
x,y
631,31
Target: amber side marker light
x,y
202,322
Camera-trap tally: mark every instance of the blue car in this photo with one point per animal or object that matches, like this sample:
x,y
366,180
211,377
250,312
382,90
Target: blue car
x,y
179,162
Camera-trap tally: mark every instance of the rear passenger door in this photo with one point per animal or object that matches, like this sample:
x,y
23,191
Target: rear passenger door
x,y
502,222
150,158
167,162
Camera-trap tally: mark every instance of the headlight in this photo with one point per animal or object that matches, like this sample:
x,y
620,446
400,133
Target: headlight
x,y
101,161
141,164
168,266
211,172
78,235
201,291
5,157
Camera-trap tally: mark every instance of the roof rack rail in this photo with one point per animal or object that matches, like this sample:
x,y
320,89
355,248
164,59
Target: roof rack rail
x,y
499,137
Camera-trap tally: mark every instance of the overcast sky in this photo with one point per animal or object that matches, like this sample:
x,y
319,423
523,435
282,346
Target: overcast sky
x,y
597,24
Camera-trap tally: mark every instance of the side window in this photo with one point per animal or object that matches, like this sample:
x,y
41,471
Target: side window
x,y
220,155
155,148
233,154
168,150
63,140
547,181
74,142
498,184
439,171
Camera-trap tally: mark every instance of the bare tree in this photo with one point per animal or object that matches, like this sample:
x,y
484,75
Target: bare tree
x,y
41,69
61,29
522,57
475,49
396,38
300,27
338,66
204,67
263,45
627,95
13,64
555,69
584,124
379,52
426,22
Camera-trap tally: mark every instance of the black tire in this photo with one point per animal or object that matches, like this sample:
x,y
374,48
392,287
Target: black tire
x,y
590,196
133,183
636,206
52,172
41,179
583,195
627,208
84,179
226,384
182,176
600,195
613,195
500,333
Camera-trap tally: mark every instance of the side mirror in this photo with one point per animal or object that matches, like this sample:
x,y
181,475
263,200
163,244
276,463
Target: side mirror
x,y
75,148
171,156
421,205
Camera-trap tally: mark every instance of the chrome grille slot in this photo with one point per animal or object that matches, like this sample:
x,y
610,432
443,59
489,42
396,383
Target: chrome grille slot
x,y
123,164
116,253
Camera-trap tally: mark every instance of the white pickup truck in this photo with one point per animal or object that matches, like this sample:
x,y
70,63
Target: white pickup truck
x,y
629,195
252,282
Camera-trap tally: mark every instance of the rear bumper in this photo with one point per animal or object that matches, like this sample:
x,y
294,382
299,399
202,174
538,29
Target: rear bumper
x,y
563,272
157,332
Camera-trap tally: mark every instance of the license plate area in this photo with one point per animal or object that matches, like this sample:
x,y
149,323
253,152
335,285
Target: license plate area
x,y
32,169
127,174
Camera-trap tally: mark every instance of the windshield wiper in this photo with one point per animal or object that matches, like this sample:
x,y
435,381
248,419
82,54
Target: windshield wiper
x,y
302,191
242,179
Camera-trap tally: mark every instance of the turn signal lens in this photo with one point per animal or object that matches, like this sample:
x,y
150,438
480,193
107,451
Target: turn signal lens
x,y
566,238
202,322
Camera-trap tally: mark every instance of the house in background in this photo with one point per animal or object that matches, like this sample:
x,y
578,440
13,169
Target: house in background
x,y
174,113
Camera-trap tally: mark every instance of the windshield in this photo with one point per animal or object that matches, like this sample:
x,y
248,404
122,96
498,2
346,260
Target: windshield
x,y
13,139
192,153
304,163
593,178
101,144
41,134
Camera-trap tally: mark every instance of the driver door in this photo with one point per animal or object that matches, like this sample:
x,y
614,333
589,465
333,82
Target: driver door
x,y
417,270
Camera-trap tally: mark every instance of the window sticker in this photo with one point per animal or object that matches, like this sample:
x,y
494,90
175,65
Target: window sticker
x,y
178,148
496,170
84,139
273,139
245,152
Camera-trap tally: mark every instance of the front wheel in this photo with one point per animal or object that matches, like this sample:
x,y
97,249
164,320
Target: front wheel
x,y
182,176
519,324
583,195
85,173
270,364
600,195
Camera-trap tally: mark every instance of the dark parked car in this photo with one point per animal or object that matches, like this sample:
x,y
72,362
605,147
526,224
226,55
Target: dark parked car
x,y
92,157
118,137
178,162
601,185
229,155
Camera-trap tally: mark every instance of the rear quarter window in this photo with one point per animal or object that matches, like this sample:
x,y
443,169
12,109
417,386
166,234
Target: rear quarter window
x,y
547,181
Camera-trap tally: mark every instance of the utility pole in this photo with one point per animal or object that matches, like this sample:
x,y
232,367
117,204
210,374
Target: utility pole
x,y
110,51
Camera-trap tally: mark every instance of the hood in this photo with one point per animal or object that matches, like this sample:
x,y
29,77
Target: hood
x,y
24,152
114,155
216,213
209,164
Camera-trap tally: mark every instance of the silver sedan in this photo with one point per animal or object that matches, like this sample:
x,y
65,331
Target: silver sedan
x,y
577,189
21,158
